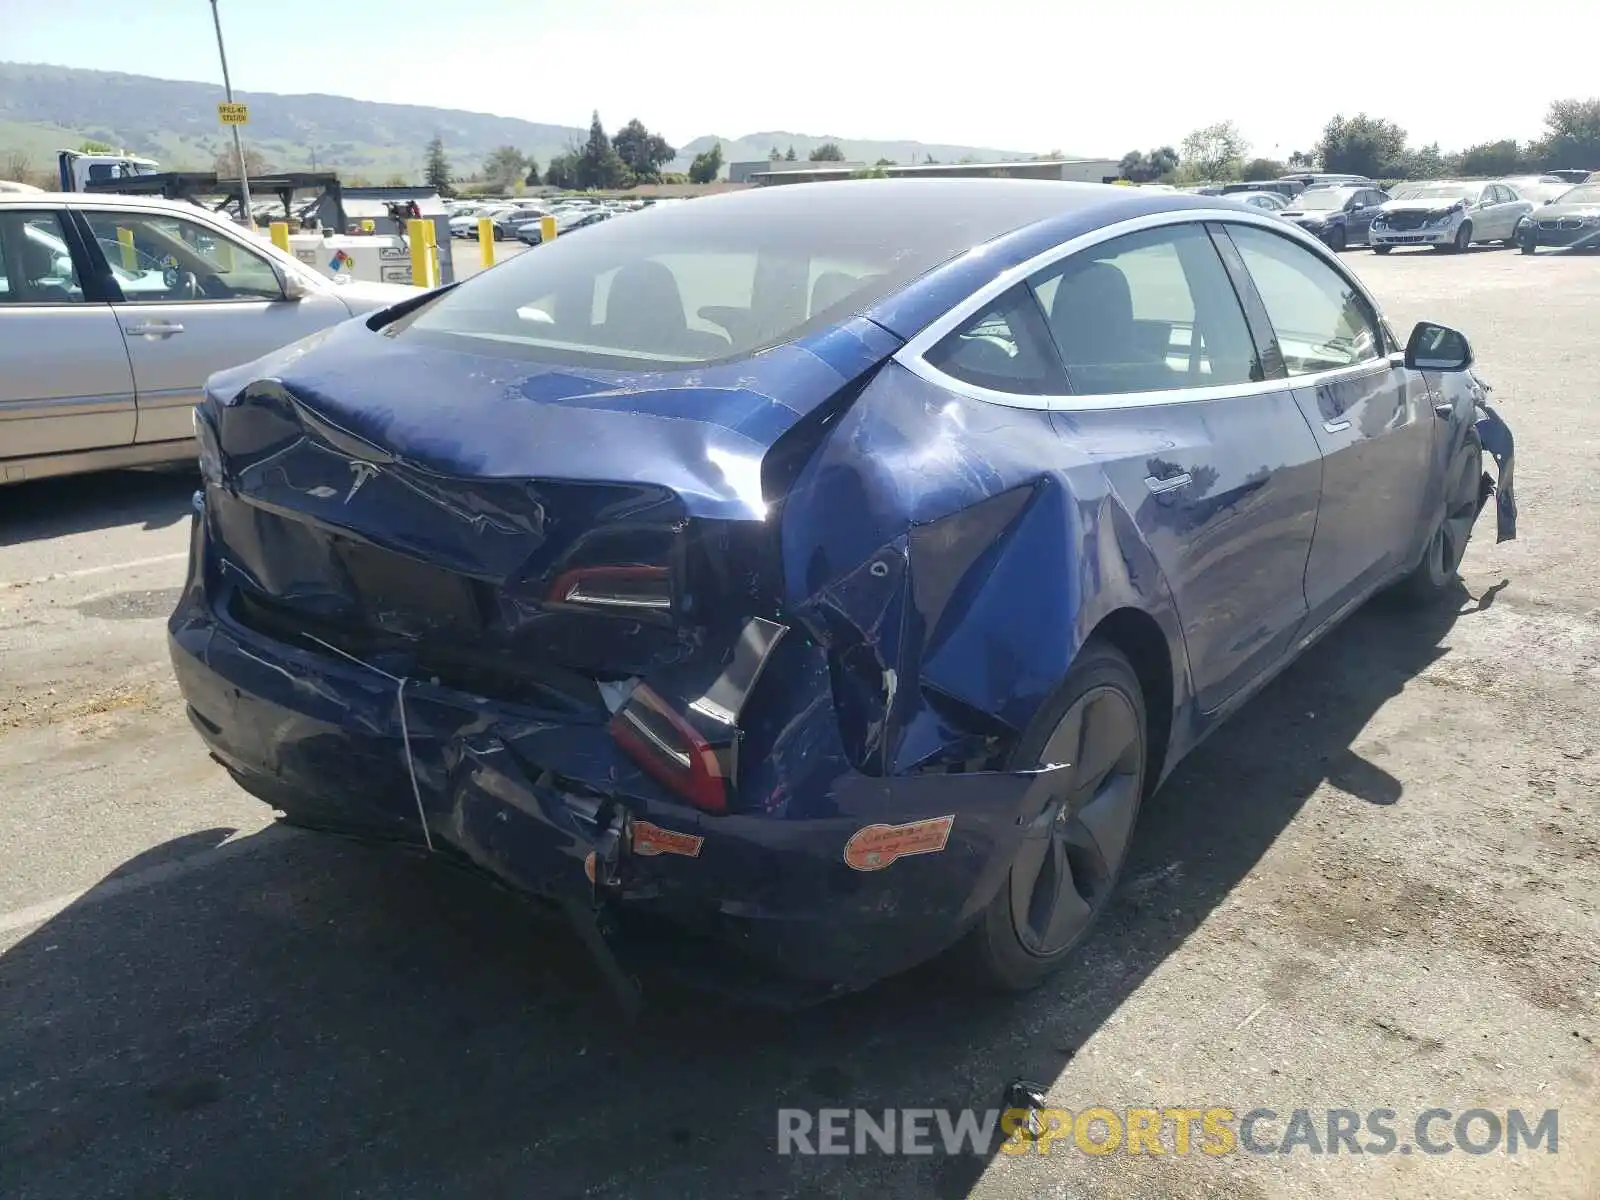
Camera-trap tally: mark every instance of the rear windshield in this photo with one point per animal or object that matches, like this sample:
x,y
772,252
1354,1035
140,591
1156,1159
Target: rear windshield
x,y
712,279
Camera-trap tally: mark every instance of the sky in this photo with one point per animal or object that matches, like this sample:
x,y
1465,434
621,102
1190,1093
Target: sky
x,y
1094,79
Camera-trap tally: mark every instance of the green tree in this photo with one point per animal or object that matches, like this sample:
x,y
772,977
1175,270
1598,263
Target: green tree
x,y
227,163
1363,145
94,147
789,155
774,156
504,166
599,164
827,152
1215,152
884,162
532,177
562,172
1140,167
1262,168
437,169
642,152
706,166
395,180
1504,157
1299,160
1572,137
1163,161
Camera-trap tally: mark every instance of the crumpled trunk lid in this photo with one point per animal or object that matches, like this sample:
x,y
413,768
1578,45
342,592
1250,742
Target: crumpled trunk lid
x,y
431,510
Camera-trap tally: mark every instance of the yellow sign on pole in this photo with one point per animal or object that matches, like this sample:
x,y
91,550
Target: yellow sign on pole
x,y
233,114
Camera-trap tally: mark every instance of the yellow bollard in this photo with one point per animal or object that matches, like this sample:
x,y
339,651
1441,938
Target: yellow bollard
x,y
130,256
547,229
280,235
430,233
420,256
486,240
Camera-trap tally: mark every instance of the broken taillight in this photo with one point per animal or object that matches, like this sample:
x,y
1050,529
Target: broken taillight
x,y
671,750
618,588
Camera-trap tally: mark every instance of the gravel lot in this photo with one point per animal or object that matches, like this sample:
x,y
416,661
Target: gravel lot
x,y
1377,888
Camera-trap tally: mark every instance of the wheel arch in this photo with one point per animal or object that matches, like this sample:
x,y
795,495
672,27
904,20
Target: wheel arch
x,y
1139,638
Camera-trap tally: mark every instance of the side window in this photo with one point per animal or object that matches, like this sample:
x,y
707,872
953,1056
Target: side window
x,y
1005,348
36,264
162,259
1322,322
1148,312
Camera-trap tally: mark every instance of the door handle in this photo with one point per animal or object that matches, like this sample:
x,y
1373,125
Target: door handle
x,y
153,329
1168,483
1444,410
1336,426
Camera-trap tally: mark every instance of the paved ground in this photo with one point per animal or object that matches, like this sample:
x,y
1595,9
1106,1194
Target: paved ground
x,y
1376,889
467,255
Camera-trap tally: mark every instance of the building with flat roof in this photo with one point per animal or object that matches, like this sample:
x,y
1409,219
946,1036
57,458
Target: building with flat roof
x,y
745,172
1077,170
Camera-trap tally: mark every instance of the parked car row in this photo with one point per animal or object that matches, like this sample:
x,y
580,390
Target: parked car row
x,y
512,219
1449,215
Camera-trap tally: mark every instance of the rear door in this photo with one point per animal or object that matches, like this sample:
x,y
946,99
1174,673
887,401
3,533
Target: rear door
x,y
1372,419
1211,456
193,300
65,381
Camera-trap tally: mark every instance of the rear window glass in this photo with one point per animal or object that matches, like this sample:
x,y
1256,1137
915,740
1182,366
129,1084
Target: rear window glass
x,y
711,279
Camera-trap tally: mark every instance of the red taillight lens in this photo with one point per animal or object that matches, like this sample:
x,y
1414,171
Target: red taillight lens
x,y
620,588
671,750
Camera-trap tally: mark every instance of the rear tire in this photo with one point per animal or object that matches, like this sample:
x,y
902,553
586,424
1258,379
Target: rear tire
x,y
1067,868
1529,246
1452,527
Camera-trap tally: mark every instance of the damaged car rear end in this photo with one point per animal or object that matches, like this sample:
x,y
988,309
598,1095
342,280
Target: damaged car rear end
x,y
514,574
789,585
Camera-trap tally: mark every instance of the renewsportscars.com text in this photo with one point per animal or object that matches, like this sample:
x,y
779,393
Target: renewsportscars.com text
x,y
1215,1131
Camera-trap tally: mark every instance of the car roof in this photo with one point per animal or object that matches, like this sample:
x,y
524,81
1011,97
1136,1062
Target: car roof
x,y
987,208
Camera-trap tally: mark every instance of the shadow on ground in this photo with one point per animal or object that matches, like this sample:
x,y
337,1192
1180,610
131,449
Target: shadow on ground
x,y
312,1016
52,508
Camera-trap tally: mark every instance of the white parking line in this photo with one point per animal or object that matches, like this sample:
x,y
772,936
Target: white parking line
x,y
38,914
107,569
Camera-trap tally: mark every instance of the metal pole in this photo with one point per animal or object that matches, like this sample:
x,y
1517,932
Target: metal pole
x,y
238,145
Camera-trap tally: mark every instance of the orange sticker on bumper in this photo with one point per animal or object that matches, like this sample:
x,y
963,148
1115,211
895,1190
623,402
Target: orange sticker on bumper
x,y
651,839
588,865
876,846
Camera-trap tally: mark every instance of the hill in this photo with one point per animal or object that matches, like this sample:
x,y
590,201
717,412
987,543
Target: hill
x,y
754,146
43,108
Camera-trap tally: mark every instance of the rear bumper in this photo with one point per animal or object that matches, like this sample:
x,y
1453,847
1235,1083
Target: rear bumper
x,y
529,800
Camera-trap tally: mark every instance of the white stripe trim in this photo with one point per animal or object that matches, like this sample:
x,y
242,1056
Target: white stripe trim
x,y
911,355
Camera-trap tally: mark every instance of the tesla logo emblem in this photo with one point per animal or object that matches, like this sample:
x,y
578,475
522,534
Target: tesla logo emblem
x,y
363,472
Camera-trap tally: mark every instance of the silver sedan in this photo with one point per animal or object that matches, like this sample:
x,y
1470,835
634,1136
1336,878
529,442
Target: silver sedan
x,y
115,309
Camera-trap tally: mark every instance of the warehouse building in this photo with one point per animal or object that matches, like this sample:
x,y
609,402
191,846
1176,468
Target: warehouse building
x,y
1078,170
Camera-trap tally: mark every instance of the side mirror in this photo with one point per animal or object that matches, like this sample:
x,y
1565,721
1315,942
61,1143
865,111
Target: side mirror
x,y
294,288
1437,348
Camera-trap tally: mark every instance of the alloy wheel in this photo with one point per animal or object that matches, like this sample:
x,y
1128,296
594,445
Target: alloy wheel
x,y
1073,851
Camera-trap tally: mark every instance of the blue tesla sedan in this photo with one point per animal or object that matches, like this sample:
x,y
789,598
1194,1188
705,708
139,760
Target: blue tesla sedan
x,y
814,578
